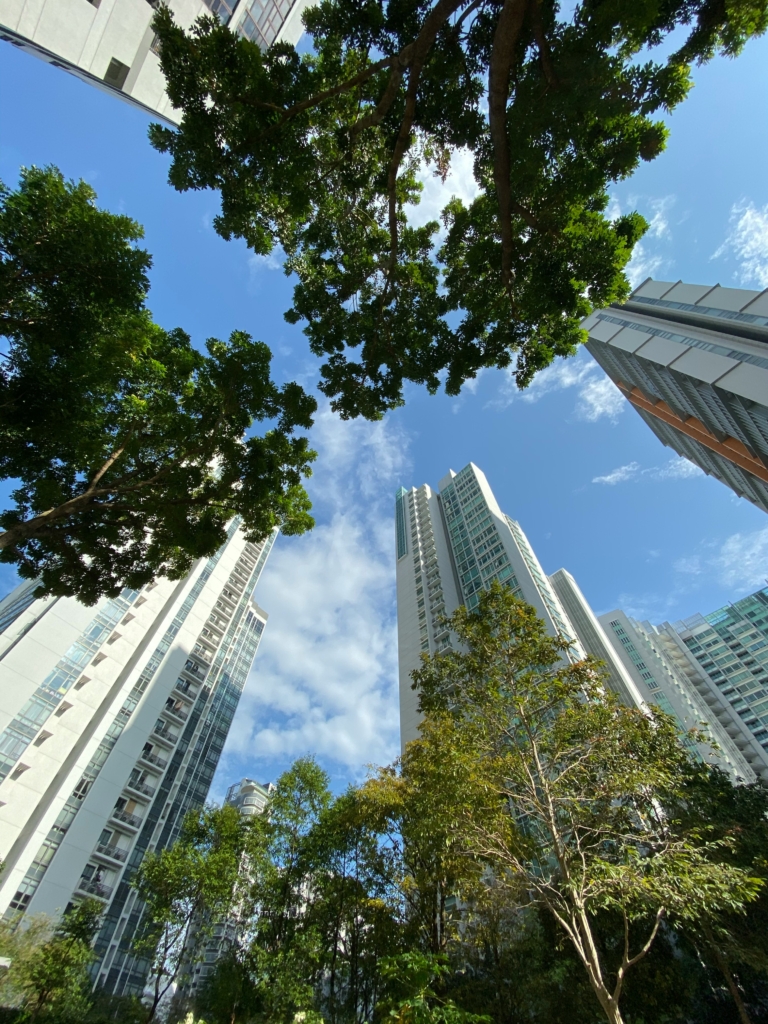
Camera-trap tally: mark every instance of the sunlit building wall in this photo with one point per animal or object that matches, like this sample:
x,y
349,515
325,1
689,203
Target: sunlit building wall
x,y
450,544
111,43
112,721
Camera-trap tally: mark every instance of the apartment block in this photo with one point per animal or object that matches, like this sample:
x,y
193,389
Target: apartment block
x,y
112,721
693,362
111,44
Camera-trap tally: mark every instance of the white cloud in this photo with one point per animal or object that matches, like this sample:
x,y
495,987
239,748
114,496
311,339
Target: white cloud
x,y
690,566
743,560
325,677
658,226
460,182
600,398
747,240
619,475
562,374
645,262
677,468
272,261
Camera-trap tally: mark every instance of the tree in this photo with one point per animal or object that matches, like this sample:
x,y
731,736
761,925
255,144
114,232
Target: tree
x,y
186,889
130,447
412,804
565,789
320,153
734,943
48,977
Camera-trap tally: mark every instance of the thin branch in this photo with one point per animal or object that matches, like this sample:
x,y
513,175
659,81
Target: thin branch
x,y
312,101
508,29
105,468
545,54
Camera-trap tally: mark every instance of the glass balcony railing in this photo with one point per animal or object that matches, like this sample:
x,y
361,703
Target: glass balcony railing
x,y
127,818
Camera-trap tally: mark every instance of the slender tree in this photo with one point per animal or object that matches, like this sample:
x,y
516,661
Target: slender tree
x,y
185,890
321,152
130,449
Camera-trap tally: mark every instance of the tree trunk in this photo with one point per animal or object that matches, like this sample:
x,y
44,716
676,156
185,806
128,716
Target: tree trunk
x,y
725,970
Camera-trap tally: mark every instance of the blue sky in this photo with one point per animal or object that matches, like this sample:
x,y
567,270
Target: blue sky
x,y
594,490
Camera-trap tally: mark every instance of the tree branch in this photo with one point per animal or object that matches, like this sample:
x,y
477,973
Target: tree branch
x,y
545,54
508,29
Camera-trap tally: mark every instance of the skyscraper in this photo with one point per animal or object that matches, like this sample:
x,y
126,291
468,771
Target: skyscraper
x,y
724,655
111,44
250,798
662,679
693,361
452,543
114,718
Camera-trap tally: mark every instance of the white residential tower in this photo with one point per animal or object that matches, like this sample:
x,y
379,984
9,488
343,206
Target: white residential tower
x,y
112,721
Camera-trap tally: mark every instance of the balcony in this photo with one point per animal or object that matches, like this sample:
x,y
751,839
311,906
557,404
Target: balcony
x,y
178,713
92,888
165,736
185,690
148,757
111,853
136,786
126,818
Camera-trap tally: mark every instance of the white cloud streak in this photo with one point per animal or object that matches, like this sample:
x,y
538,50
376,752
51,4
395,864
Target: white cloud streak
x,y
598,396
645,261
618,475
740,563
325,677
600,399
743,560
676,469
747,240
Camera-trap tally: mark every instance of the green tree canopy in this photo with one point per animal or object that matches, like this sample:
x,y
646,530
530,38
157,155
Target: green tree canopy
x,y
565,790
130,448
318,152
186,889
49,960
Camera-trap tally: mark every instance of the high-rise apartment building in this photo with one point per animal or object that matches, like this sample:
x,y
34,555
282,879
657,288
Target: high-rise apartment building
x,y
693,361
451,543
111,44
662,680
113,719
249,797
724,655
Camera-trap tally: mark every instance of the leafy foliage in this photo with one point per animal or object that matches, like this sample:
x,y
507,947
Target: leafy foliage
x,y
320,153
128,444
185,889
537,847
566,789
48,977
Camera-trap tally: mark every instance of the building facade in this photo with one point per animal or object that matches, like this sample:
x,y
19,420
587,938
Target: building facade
x,y
111,44
693,361
661,679
724,655
113,719
451,543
